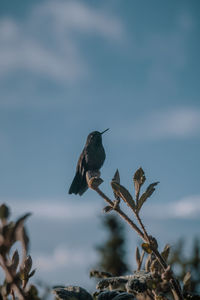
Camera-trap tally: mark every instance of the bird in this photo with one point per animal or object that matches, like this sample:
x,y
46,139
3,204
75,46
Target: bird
x,y
91,159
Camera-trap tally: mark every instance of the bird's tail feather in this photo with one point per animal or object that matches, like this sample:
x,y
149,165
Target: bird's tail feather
x,y
79,184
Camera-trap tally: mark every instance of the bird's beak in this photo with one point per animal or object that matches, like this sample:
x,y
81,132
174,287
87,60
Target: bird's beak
x,y
104,131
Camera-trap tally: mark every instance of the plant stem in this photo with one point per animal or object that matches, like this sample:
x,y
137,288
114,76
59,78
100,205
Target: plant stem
x,y
142,226
120,212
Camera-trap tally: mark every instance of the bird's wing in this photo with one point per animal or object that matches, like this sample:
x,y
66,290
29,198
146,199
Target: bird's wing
x,y
81,170
81,165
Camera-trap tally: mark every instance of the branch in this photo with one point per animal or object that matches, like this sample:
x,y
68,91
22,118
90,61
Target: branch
x,y
120,212
11,279
93,183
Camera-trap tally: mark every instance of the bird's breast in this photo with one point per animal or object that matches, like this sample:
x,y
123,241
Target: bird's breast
x,y
95,157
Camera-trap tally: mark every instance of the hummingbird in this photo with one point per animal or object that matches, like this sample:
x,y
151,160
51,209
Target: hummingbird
x,y
91,159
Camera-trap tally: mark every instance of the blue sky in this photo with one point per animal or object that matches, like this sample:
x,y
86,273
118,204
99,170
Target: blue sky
x,y
70,67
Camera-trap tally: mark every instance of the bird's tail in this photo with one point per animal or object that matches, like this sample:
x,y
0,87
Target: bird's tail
x,y
79,184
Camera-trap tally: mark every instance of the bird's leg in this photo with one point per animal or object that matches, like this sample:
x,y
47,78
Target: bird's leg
x,y
93,179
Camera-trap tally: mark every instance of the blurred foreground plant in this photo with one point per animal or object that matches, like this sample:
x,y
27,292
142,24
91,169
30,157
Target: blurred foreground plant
x,y
17,270
187,261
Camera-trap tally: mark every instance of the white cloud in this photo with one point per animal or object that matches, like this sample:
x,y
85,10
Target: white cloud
x,y
47,43
70,210
76,16
67,210
183,122
62,257
186,208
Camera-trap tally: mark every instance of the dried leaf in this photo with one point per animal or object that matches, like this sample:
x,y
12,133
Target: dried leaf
x,y
155,266
153,242
137,256
148,263
5,289
167,274
24,239
123,193
107,209
160,297
7,235
165,252
187,281
149,191
151,188
20,221
4,212
28,263
32,273
32,293
15,260
138,178
146,247
116,177
23,275
176,297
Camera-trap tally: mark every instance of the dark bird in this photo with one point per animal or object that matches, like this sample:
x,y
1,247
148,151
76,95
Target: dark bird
x,y
91,159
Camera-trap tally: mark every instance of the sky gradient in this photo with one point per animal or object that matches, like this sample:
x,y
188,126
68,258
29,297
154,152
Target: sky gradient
x,y
70,67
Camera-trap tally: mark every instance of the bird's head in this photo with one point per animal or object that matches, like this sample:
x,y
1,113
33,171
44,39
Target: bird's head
x,y
95,137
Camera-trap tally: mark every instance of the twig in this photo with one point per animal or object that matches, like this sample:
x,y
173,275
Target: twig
x,y
142,226
122,214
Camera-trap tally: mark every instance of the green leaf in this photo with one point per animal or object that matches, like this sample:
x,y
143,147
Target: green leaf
x,y
146,247
149,191
123,193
